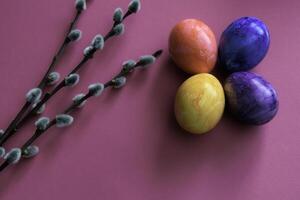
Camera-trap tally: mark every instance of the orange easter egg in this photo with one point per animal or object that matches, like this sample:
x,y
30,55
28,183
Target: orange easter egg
x,y
193,46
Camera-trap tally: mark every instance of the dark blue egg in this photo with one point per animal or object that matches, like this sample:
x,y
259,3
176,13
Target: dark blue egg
x,y
243,44
250,98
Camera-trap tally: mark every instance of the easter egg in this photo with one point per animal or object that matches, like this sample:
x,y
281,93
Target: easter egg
x,y
193,47
243,44
250,98
199,103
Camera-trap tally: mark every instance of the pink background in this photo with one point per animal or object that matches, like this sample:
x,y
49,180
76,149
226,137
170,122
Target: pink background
x,y
126,144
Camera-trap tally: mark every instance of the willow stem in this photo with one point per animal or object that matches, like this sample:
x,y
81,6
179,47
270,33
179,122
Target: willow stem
x,y
36,135
42,84
48,96
3,165
72,107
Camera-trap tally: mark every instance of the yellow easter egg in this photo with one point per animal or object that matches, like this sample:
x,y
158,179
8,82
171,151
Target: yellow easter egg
x,y
199,103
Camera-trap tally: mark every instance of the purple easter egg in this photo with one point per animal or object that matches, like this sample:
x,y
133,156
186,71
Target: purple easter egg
x,y
243,44
251,98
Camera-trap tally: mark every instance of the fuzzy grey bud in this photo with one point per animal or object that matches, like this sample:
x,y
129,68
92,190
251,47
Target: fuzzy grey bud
x,y
88,51
41,109
30,151
72,80
13,156
98,42
75,35
64,120
119,29
80,5
77,100
96,89
1,132
146,60
53,78
128,65
33,95
134,6
2,152
119,82
118,15
42,123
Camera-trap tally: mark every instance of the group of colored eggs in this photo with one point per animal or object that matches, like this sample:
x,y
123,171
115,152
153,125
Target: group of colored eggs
x,y
200,100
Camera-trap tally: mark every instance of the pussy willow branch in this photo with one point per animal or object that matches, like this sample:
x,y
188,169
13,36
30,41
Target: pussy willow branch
x,y
73,107
61,85
42,83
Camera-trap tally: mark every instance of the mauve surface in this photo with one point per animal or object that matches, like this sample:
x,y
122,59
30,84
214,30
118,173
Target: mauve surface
x,y
126,144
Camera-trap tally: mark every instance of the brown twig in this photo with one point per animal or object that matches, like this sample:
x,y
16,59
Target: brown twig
x,y
20,122
74,105
42,84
